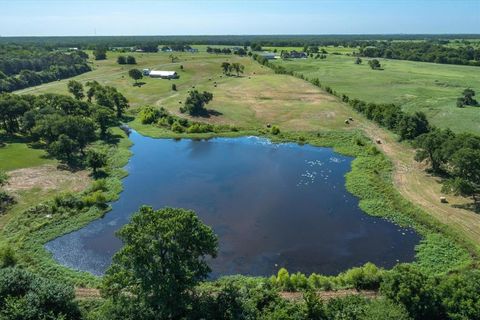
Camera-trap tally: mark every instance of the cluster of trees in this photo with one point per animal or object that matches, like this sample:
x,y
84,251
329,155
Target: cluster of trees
x,y
236,67
65,125
456,156
241,51
25,67
148,47
126,60
100,53
24,295
391,116
162,118
422,51
467,99
135,74
195,103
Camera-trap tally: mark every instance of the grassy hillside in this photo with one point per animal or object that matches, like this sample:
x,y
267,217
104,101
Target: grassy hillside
x,y
416,86
254,99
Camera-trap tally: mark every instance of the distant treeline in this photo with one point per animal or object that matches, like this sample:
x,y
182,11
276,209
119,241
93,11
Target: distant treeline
x,y
26,66
89,42
423,51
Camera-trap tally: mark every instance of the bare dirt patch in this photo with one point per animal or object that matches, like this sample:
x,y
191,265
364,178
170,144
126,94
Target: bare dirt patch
x,y
46,177
423,189
327,295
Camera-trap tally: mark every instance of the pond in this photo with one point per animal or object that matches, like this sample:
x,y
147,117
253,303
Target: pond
x,y
272,206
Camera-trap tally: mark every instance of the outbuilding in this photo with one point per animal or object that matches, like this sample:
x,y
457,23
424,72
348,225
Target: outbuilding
x,y
163,74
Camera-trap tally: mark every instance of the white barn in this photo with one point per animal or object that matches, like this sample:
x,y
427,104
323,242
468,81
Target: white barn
x,y
163,74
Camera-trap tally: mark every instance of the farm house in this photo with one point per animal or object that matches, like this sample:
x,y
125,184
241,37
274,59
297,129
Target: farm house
x,y
163,74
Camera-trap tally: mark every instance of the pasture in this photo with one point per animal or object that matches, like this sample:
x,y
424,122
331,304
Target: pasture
x,y
416,86
255,98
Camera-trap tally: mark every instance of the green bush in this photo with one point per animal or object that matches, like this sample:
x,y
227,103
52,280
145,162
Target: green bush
x,y
8,257
149,115
367,277
177,127
275,130
96,198
24,295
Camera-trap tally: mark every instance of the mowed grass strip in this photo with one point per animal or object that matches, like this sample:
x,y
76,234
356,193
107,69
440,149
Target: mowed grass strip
x,y
416,86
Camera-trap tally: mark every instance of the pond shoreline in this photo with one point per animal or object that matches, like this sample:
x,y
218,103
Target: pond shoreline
x,y
370,171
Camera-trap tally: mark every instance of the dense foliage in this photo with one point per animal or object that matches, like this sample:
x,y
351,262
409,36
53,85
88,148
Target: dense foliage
x,y
457,155
22,67
160,117
26,296
126,60
163,258
64,125
195,103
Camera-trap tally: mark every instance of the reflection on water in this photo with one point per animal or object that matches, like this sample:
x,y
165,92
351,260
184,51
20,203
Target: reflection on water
x,y
272,206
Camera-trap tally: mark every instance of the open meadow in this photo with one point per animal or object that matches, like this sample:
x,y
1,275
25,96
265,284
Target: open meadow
x,y
416,86
255,98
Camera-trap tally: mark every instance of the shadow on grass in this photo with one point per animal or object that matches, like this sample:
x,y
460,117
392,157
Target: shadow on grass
x,y
139,84
99,174
207,113
473,207
111,139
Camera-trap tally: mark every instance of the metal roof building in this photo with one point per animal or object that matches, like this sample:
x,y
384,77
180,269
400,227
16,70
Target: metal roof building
x,y
163,74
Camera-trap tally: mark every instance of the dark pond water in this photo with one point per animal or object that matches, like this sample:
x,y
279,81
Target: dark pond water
x,y
272,206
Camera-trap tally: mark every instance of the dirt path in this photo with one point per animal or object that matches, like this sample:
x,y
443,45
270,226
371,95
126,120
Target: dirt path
x,y
91,293
327,295
423,189
87,293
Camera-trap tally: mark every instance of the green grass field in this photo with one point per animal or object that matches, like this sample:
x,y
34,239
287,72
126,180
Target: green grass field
x,y
18,155
252,100
416,86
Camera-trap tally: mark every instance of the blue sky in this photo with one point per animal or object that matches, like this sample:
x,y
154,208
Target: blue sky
x,y
128,17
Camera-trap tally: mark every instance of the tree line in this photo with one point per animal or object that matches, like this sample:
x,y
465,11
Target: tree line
x,y
25,67
422,51
89,42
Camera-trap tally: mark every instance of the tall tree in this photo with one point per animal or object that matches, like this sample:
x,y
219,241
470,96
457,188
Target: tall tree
x,y
104,117
100,53
135,74
96,160
226,68
162,259
238,68
430,146
76,89
195,103
131,60
121,60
